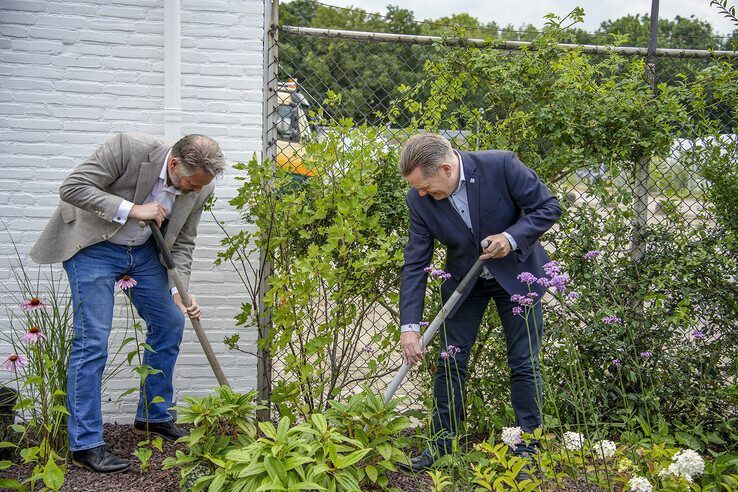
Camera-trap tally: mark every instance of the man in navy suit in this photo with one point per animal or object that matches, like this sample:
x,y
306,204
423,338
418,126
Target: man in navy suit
x,y
461,198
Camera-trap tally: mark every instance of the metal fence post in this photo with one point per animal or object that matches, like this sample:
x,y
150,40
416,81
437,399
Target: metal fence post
x,y
264,357
641,170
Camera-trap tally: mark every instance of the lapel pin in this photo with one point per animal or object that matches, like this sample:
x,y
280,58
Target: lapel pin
x,y
471,180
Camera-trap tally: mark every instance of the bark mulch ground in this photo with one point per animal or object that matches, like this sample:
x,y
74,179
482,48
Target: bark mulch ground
x,y
123,442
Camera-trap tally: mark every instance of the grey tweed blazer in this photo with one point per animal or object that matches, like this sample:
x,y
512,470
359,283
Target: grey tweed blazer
x,y
125,167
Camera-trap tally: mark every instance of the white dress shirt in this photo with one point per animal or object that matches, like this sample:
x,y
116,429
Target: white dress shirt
x,y
131,234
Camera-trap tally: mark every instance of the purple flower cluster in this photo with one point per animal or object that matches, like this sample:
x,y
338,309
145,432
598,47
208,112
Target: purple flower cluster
x,y
423,323
573,295
517,310
617,363
527,278
611,320
552,268
559,282
592,254
437,272
450,352
698,335
523,300
368,349
646,354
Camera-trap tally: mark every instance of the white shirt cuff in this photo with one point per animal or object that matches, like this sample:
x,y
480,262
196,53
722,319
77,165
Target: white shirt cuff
x,y
121,216
410,327
173,290
513,244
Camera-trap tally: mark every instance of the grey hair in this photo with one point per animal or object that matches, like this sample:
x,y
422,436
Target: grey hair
x,y
426,151
199,152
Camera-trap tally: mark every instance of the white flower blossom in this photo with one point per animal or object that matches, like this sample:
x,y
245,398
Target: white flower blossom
x,y
687,464
640,484
573,441
512,436
605,449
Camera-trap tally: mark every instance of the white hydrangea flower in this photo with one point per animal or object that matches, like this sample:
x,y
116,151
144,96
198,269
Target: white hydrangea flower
x,y
605,449
573,441
640,484
512,436
687,464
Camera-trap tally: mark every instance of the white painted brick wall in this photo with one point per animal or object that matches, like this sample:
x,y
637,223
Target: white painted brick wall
x,y
72,74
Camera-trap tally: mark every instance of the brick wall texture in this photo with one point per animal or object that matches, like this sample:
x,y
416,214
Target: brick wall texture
x,y
73,74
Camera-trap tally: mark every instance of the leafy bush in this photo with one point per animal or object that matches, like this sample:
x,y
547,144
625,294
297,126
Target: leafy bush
x,y
352,445
337,253
220,423
376,425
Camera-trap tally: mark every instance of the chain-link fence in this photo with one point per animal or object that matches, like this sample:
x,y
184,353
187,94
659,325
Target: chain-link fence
x,y
562,108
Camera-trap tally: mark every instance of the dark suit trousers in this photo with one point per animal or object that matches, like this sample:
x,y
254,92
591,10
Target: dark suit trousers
x,y
522,357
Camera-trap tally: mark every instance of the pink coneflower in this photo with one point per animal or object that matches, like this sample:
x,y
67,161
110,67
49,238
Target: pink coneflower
x,y
33,303
33,335
15,362
126,282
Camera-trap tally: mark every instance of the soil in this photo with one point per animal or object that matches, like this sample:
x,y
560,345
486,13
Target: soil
x,y
121,441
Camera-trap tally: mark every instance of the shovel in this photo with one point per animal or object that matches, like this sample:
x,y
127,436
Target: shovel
x,y
452,301
172,269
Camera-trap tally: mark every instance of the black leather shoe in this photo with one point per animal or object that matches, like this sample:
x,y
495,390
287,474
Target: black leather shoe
x,y
167,429
99,460
418,464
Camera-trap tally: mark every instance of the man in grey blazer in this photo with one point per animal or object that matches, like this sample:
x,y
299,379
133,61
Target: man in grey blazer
x,y
95,232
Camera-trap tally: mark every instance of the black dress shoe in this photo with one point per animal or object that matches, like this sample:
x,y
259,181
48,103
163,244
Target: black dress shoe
x,y
99,460
167,429
419,463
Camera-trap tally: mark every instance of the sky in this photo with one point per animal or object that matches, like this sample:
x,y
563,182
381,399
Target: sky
x,y
518,12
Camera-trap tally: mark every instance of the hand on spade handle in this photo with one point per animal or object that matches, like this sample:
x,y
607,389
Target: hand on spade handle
x,y
187,300
413,345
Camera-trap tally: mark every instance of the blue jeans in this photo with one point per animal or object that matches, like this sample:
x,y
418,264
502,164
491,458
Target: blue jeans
x,y
522,358
92,274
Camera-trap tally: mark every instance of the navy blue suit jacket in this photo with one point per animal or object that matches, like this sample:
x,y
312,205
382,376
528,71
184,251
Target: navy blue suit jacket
x,y
504,195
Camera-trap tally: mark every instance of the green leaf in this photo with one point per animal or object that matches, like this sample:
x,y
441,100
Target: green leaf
x,y
347,481
372,473
218,483
52,475
320,422
352,458
276,470
306,486
60,409
157,399
9,483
